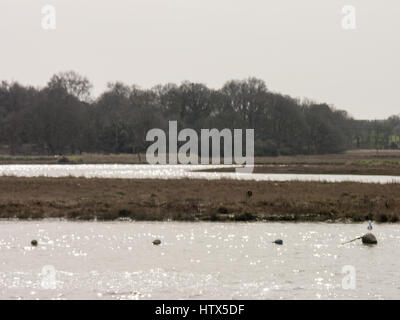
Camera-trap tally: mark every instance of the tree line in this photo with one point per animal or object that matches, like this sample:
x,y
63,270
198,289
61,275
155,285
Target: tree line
x,y
63,118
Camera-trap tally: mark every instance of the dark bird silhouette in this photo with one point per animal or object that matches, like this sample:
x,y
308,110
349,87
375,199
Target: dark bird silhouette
x,y
249,193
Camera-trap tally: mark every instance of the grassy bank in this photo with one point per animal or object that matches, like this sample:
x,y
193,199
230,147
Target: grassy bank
x,y
192,200
362,162
85,158
362,167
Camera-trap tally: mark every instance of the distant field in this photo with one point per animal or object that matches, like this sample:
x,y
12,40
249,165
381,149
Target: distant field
x,y
359,162
85,158
191,200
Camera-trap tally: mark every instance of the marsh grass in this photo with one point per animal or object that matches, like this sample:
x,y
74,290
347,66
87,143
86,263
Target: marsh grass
x,y
196,200
84,158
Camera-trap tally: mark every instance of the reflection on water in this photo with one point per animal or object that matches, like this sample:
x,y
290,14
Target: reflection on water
x,y
172,172
116,260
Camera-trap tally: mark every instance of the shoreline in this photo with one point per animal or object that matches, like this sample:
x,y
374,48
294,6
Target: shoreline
x,y
123,221
320,169
361,162
82,199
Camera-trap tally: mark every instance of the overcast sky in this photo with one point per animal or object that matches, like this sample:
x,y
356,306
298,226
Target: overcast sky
x,y
298,47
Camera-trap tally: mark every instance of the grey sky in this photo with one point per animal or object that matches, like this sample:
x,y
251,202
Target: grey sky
x,y
297,46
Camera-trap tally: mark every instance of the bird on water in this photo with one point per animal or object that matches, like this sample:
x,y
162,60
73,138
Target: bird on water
x,y
369,225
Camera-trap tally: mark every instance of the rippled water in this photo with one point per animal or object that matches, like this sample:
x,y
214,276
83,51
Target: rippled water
x,y
172,172
116,260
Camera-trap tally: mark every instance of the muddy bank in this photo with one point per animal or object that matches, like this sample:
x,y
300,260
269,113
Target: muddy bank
x,y
191,200
356,168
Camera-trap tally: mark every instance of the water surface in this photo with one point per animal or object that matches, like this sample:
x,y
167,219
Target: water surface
x,y
116,260
173,172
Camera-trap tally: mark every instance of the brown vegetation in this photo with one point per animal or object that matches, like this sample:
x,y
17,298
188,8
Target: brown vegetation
x,y
360,162
191,200
356,169
84,158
